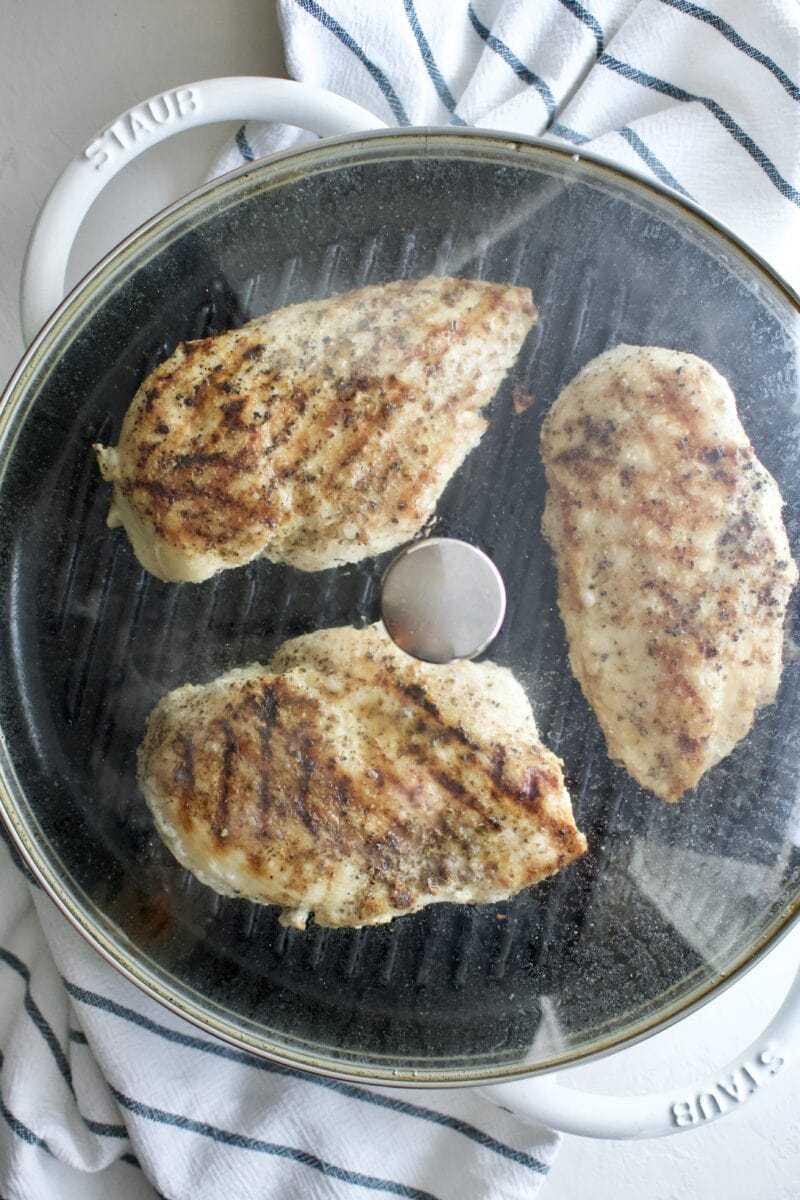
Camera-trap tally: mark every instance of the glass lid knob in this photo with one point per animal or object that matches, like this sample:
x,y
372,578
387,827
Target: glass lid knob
x,y
442,600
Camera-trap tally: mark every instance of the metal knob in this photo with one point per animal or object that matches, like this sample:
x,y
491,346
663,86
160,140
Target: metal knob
x,y
442,599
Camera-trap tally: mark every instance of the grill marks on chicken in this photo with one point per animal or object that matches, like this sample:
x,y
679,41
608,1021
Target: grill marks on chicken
x,y
350,780
674,569
316,435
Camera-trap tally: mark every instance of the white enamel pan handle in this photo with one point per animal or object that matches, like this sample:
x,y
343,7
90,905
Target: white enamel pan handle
x,y
589,1115
205,103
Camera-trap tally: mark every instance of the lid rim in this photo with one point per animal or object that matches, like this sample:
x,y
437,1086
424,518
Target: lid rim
x,y
61,322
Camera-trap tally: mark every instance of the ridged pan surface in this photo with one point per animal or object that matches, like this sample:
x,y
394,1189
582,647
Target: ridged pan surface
x,y
668,899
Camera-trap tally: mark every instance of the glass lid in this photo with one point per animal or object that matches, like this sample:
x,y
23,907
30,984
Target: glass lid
x,y
413,801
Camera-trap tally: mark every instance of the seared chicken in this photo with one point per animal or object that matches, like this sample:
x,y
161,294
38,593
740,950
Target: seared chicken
x,y
316,435
351,780
674,569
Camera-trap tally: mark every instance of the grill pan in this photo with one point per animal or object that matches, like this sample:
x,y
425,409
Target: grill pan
x,y
670,901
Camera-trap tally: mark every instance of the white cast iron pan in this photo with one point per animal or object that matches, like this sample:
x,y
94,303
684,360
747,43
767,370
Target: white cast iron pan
x,y
672,902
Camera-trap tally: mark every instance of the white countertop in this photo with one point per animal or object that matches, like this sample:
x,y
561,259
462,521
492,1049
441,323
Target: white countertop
x,y
69,69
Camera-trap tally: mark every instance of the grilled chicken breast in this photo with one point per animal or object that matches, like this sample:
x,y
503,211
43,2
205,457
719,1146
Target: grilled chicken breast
x,y
351,780
674,569
315,435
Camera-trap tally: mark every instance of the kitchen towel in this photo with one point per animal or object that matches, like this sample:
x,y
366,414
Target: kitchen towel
x,y
104,1093
702,98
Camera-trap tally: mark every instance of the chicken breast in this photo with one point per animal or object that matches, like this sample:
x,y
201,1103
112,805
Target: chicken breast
x,y
674,569
315,435
351,780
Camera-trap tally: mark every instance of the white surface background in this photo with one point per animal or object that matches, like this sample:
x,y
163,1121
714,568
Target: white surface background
x,y
67,69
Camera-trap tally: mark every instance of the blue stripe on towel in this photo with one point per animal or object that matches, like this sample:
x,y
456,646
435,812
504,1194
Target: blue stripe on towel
x,y
22,1131
655,164
569,135
328,22
589,20
353,1091
716,110
727,31
636,144
442,90
103,1129
275,1149
17,1127
35,1014
243,146
517,66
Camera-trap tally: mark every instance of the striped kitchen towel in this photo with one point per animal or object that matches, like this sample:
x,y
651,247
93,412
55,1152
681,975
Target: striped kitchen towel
x,y
704,98
105,1094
